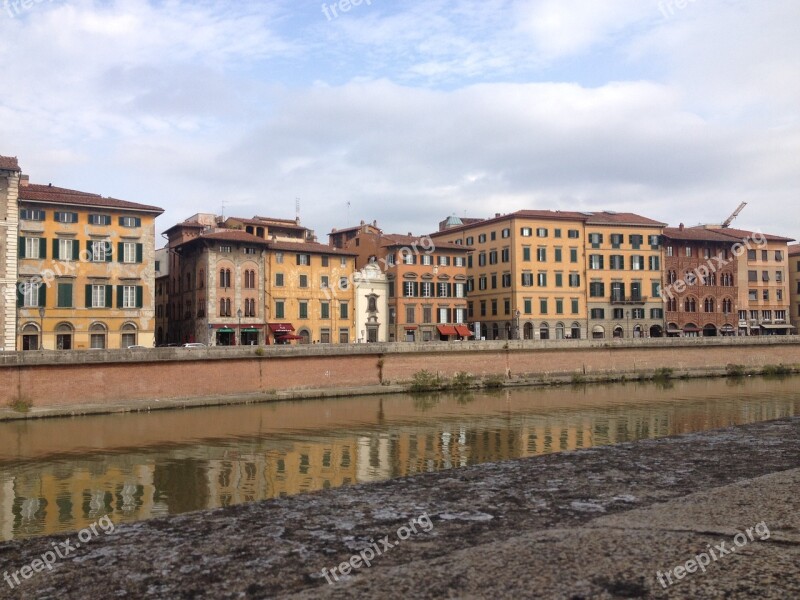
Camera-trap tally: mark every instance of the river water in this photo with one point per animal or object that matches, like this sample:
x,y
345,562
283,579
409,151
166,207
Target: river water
x,y
64,474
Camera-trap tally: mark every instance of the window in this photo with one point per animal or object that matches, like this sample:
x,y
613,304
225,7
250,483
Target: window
x,y
482,259
278,279
390,261
225,307
505,255
482,238
541,279
444,261
66,249
224,278
98,298
670,251
408,289
616,262
506,233
778,255
618,313
493,235
131,296
65,295
97,336
303,260
751,255
690,305
427,289
637,313
443,291
279,258
595,239
343,261
654,241
470,241
344,310
527,306
31,294
558,254
541,254
483,308
559,280
573,255
636,241
617,292
482,285
526,232
324,261
597,289
765,276
575,305
494,308
765,295
99,220
427,260
250,251
65,217
527,280
344,336
526,253
443,316
727,306
765,255
557,233
779,276
458,261
598,313
131,252
344,283
655,289
100,251
574,280
303,309
372,303
655,263
30,214
303,281
752,295
688,251
280,309
559,306
656,313
408,258
752,276
32,247
249,279
616,240
637,262
411,314
130,222
492,257
573,234
595,262
506,280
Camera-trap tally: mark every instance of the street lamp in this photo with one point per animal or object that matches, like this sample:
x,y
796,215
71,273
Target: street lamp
x,y
239,314
517,315
628,318
41,328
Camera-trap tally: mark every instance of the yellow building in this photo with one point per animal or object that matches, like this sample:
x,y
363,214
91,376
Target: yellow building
x,y
310,293
623,271
525,276
85,275
794,285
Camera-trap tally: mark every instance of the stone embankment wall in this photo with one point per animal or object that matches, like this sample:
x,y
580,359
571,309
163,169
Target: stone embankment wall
x,y
43,379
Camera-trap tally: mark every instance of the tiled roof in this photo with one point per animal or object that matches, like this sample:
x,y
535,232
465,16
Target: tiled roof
x,y
9,163
55,195
696,235
743,234
391,240
231,235
794,250
623,218
310,247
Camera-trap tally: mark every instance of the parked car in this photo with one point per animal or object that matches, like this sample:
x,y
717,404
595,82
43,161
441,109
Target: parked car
x,y
137,347
194,345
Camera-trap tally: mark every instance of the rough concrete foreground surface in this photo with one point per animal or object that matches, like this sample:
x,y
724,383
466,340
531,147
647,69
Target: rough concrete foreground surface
x,y
596,523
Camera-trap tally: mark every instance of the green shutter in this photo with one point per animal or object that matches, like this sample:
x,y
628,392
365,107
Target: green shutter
x,y
57,216
42,295
139,253
20,296
55,250
64,295
120,251
139,296
109,248
109,293
120,294
76,250
88,296
90,250
22,247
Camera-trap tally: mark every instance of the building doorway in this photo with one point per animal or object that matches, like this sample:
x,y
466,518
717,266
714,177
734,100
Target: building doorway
x,y
64,337
30,337
225,337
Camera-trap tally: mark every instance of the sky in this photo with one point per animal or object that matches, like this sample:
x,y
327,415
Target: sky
x,y
406,112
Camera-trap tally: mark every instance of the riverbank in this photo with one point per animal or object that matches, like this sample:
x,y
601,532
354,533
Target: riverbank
x,y
596,523
68,384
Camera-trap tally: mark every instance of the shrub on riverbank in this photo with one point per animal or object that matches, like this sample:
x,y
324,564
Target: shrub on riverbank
x,y
425,381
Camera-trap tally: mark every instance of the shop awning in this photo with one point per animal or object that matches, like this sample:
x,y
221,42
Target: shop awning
x,y
446,330
463,331
692,329
278,328
288,336
225,330
779,326
250,330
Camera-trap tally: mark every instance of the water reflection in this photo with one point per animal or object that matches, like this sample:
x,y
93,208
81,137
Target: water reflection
x,y
62,475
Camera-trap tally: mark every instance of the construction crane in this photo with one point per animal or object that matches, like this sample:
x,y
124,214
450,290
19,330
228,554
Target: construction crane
x,y
735,214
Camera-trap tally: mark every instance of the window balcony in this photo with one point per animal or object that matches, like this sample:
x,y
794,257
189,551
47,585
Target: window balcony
x,y
629,301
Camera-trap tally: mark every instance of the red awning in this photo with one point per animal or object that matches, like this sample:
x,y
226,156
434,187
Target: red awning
x,y
463,331
281,328
446,330
288,336
692,329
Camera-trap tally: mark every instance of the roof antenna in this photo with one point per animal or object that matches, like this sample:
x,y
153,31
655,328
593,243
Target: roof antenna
x,y
348,213
297,208
223,209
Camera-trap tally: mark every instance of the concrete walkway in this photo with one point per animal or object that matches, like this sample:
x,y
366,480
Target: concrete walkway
x,y
598,523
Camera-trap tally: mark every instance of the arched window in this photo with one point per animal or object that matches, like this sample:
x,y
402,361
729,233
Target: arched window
x,y
97,336
544,331
527,331
672,305
250,279
224,278
495,331
64,336
708,305
575,331
128,335
30,337
559,331
225,307
727,306
690,305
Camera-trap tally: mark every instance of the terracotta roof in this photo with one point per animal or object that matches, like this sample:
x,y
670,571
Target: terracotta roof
x,y
794,250
622,218
743,234
55,195
231,235
696,235
310,247
9,163
391,240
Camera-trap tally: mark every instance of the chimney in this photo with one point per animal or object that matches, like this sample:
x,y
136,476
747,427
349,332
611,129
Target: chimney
x,y
496,215
362,222
24,180
410,234
680,227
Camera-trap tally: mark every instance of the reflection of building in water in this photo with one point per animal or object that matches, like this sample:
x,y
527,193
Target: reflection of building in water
x,y
48,495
